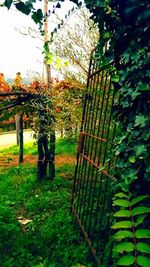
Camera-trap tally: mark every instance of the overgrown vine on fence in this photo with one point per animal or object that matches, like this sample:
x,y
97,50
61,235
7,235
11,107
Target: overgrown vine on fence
x,y
125,26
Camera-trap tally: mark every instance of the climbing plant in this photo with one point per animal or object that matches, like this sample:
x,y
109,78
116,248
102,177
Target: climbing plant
x,y
125,26
131,236
124,29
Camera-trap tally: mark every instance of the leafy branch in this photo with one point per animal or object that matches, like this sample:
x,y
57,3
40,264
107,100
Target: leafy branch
x,y
130,241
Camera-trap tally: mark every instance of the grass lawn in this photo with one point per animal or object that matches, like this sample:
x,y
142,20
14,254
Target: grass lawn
x,y
35,224
63,147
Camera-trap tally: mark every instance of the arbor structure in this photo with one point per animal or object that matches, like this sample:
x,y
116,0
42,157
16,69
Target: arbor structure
x,y
34,100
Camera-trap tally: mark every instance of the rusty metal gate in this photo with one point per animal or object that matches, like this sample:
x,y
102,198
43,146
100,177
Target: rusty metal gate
x,y
91,196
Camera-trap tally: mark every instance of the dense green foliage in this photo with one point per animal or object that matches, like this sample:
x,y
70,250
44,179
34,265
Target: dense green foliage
x,y
125,26
131,244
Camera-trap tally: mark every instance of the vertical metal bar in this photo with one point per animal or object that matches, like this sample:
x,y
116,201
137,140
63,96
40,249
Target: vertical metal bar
x,y
85,149
78,164
99,237
93,122
88,151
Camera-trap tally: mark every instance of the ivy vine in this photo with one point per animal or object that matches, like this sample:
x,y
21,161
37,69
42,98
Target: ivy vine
x,y
125,26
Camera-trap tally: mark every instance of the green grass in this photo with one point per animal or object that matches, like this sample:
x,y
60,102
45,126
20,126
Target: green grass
x,y
63,146
29,149
49,239
66,146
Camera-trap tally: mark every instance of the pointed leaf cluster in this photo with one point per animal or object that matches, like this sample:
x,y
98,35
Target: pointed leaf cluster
x,y
130,241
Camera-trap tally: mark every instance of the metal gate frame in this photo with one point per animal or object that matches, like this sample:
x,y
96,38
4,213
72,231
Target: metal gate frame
x,y
91,194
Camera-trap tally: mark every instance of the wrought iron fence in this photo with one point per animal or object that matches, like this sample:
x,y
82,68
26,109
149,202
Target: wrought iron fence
x,y
91,195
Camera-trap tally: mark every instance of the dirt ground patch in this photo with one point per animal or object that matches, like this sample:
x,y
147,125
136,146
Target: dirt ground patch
x,y
12,160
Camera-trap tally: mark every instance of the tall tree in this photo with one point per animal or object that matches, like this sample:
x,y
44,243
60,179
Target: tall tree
x,y
51,156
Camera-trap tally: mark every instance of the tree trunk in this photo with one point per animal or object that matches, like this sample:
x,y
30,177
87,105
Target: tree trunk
x,y
52,156
20,120
17,128
49,80
43,157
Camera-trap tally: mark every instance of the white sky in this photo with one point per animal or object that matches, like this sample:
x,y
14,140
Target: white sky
x,y
19,52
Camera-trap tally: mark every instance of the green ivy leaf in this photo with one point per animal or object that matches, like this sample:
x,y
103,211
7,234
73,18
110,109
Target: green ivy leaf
x,y
123,234
106,35
37,16
140,210
26,9
129,175
137,200
124,247
115,78
142,233
122,224
131,159
126,260
140,150
122,213
8,3
134,94
140,120
143,261
143,247
121,202
121,195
